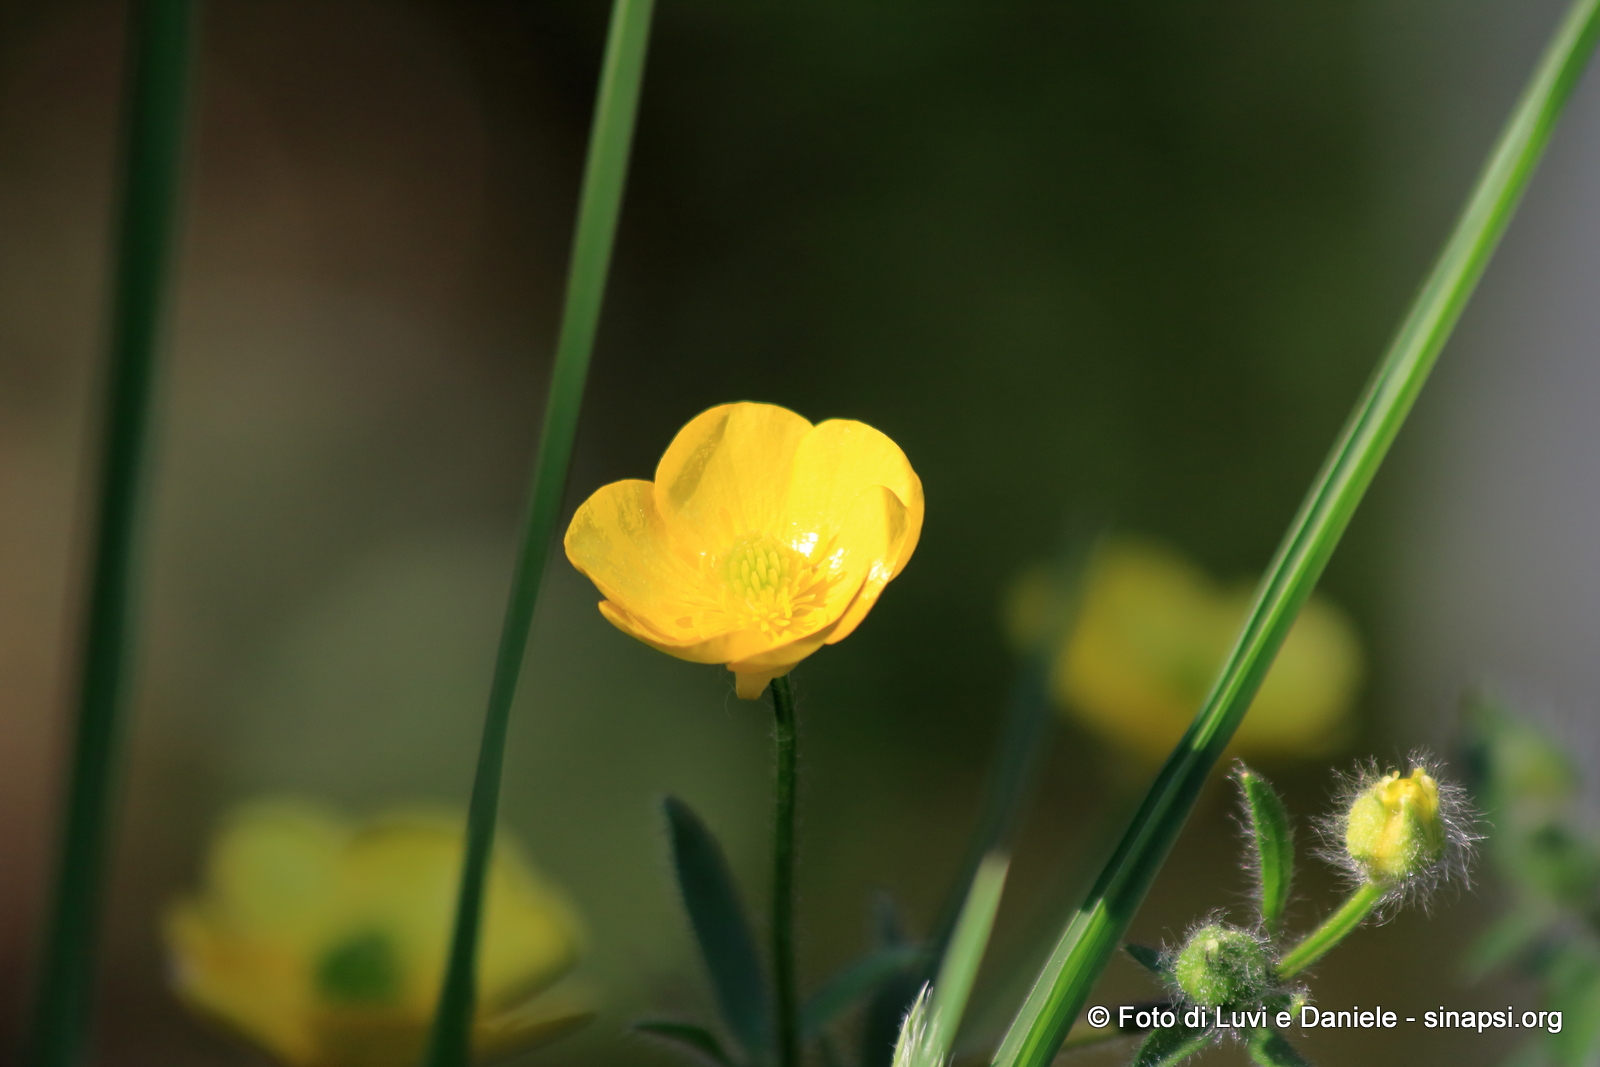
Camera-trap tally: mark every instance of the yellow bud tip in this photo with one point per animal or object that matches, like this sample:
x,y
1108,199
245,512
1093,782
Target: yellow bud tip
x,y
1393,830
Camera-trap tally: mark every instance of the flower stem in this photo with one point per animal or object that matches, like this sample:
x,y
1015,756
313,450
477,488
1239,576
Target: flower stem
x,y
783,969
600,202
160,34
1095,930
1351,914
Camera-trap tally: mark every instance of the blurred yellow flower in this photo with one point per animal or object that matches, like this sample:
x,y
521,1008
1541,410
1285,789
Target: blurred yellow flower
x,y
761,539
323,941
1150,636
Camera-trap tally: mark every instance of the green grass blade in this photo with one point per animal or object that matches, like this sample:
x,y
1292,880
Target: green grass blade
x,y
160,42
1273,842
726,942
599,204
1094,931
965,953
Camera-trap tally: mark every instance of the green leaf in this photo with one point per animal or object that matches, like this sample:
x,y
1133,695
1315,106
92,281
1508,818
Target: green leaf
x,y
1097,926
1268,824
1172,1045
1147,957
720,927
854,982
960,965
1270,1049
701,1044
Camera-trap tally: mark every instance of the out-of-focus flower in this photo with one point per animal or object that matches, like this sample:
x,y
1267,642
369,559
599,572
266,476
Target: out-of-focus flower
x,y
1151,633
323,941
761,539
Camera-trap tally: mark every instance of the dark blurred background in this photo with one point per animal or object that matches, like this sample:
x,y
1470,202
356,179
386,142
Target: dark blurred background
x,y
1079,258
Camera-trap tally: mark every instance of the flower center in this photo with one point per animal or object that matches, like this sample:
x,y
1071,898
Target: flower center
x,y
770,586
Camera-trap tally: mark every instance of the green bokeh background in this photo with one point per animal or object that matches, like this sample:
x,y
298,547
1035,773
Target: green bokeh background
x,y
1083,260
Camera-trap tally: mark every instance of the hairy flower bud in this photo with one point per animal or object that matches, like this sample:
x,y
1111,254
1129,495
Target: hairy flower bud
x,y
1393,829
1220,966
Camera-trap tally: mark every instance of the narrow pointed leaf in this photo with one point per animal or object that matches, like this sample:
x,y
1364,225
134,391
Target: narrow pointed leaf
x,y
965,952
1170,1046
854,982
599,206
1096,928
1273,841
700,1044
721,929
1271,1049
1147,957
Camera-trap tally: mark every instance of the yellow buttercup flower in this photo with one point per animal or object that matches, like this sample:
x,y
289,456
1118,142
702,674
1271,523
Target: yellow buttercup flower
x,y
761,539
1150,636
323,941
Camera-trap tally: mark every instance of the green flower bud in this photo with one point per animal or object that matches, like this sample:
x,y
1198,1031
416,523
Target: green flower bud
x,y
1221,966
1393,830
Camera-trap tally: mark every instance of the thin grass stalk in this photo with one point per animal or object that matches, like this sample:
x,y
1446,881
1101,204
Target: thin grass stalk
x,y
160,34
600,201
1092,935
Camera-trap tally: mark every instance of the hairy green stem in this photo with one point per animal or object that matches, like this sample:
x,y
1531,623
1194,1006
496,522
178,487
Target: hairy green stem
x,y
1094,932
1351,914
160,35
600,202
783,964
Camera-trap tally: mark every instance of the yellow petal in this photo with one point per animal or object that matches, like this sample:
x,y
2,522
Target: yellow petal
x,y
751,683
725,475
401,876
1144,648
254,986
872,546
272,869
618,540
838,461
1304,702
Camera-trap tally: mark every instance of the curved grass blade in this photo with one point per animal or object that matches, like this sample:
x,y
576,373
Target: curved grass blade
x,y
160,38
700,1044
961,959
852,983
1273,841
1172,1045
599,203
726,942
1094,931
